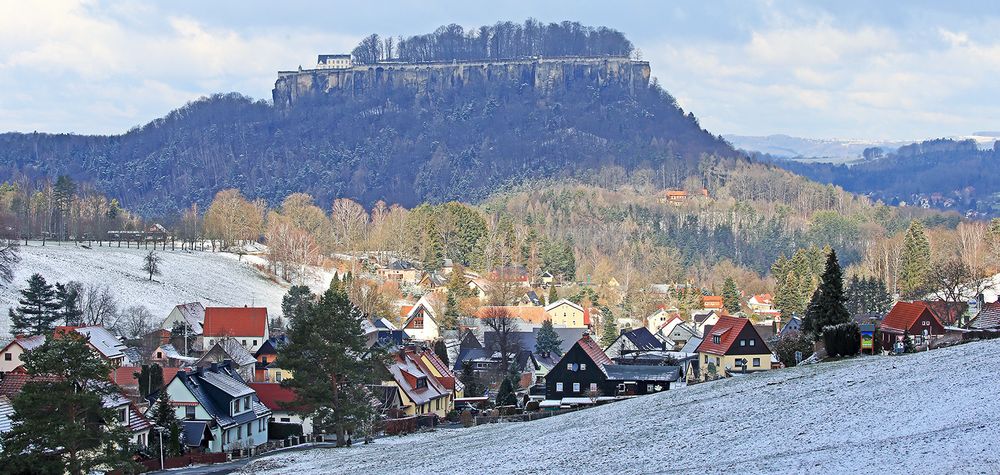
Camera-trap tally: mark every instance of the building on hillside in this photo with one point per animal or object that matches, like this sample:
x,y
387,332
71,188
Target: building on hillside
x,y
567,314
517,275
528,316
480,288
401,271
130,417
910,319
432,281
949,313
228,349
987,321
218,396
279,401
193,314
658,320
267,356
530,298
421,323
679,335
246,325
761,303
585,374
634,344
704,319
11,354
674,197
547,278
334,61
127,378
426,385
167,356
732,346
712,302
792,327
102,341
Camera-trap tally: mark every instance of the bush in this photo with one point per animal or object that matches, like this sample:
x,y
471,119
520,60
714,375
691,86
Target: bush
x,y
843,339
787,345
283,430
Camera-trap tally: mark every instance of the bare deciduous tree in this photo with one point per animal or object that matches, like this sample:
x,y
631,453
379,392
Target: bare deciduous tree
x,y
151,264
99,306
502,322
134,322
10,256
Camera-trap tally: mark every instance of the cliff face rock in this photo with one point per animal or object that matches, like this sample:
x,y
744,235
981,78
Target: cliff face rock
x,y
545,75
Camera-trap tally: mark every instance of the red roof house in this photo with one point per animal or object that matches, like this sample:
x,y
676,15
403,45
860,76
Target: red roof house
x,y
246,325
733,344
915,319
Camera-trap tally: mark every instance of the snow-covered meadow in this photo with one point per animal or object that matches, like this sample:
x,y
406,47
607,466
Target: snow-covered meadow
x,y
212,278
934,412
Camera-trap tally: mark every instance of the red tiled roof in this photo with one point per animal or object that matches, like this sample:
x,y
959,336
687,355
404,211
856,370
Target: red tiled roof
x,y
589,346
904,314
527,313
275,397
235,321
712,301
125,375
727,329
947,312
13,382
404,311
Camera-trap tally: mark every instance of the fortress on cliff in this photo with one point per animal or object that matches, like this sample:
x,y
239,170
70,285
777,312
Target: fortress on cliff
x,y
338,74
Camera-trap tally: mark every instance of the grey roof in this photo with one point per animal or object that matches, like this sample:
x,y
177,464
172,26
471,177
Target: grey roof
x,y
6,412
622,372
29,343
194,432
106,343
214,387
526,340
227,384
988,318
643,339
133,355
401,265
194,314
692,345
236,352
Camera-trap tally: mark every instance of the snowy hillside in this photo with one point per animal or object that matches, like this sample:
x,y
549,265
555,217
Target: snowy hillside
x,y
211,278
931,412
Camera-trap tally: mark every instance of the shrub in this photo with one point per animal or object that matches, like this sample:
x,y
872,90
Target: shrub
x,y
843,339
787,345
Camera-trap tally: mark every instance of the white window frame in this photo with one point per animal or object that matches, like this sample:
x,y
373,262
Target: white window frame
x,y
559,387
753,342
583,366
576,387
743,343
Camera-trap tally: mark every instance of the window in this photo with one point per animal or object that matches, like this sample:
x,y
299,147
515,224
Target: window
x,y
583,366
254,342
7,356
249,431
236,406
716,339
159,355
260,425
559,387
650,388
418,323
569,366
123,415
743,343
189,412
576,387
246,403
421,383
244,343
286,419
753,342
593,386
706,359
263,359
277,376
239,432
756,362
437,404
926,323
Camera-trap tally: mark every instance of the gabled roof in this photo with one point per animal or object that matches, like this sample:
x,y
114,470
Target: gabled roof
x,y
421,308
100,338
6,412
136,421
642,339
194,314
406,366
533,297
275,397
947,312
692,345
988,318
27,343
727,329
401,265
170,352
762,299
125,376
594,351
701,317
712,301
215,388
235,321
14,382
195,432
904,314
553,305
272,345
236,352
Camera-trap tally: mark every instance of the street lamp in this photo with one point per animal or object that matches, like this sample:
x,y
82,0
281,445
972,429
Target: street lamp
x,y
159,430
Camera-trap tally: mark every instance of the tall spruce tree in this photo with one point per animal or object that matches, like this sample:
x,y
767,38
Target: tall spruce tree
x,y
553,294
37,309
331,362
60,422
609,328
731,296
441,350
548,341
915,261
164,416
69,296
150,378
297,301
827,304
469,378
505,394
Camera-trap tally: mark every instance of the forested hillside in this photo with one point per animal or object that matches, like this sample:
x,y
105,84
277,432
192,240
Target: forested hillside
x,y
944,174
405,144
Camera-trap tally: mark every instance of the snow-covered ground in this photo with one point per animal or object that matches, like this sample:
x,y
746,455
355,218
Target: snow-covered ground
x,y
933,412
213,279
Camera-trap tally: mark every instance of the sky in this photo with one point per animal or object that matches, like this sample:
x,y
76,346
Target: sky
x,y
839,69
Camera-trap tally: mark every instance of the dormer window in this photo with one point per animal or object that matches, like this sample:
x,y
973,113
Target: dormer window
x,y
421,383
716,339
246,403
123,415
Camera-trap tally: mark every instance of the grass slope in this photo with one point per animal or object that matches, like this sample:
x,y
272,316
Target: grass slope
x,y
214,279
924,413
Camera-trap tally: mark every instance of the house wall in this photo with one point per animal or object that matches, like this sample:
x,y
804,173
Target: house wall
x,y
429,332
276,375
926,321
565,315
288,417
251,343
15,351
173,317
560,374
722,362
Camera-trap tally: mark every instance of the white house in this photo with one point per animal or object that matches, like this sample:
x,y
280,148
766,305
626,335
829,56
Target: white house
x,y
191,313
421,322
566,314
10,355
246,325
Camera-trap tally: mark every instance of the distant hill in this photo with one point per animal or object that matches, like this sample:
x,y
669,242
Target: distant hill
x,y
399,134
810,150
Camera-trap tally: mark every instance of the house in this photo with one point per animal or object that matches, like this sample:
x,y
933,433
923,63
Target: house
x,y
127,378
704,319
680,334
528,316
167,356
218,396
279,400
265,369
401,272
517,275
586,374
11,354
228,349
383,333
193,314
912,319
102,341
566,314
761,303
732,345
674,197
712,302
530,298
129,416
548,278
334,61
426,385
988,319
479,287
793,326
949,313
246,325
658,320
433,281
633,344
420,323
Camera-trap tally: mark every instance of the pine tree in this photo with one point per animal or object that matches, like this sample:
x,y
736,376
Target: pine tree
x,y
68,296
881,300
731,296
441,351
827,304
457,286
548,342
328,354
469,379
150,379
297,301
915,261
37,309
451,313
856,296
505,395
553,294
61,425
165,417
433,254
609,332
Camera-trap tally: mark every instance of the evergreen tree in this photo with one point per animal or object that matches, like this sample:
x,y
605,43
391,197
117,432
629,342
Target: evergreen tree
x,y
165,417
433,254
150,379
856,296
827,304
457,286
547,341
37,309
69,296
505,395
473,386
328,355
451,313
609,332
441,351
61,424
915,261
731,296
553,294
297,301
881,301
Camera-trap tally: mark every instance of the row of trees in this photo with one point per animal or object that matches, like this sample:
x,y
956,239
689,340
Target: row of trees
x,y
504,40
45,210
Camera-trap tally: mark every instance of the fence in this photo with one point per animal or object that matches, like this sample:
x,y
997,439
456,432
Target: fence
x,y
525,417
184,461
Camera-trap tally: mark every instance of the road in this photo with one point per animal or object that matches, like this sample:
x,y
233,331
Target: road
x,y
230,467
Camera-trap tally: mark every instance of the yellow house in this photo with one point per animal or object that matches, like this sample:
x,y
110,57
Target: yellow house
x,y
731,346
426,384
566,314
11,354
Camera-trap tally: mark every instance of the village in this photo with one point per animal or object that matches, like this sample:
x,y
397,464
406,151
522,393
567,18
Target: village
x,y
543,349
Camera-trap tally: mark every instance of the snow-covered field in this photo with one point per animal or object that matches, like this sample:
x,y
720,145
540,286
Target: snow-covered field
x,y
210,278
933,412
